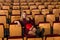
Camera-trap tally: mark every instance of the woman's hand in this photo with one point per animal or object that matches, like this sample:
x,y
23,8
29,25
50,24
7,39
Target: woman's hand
x,y
31,28
17,22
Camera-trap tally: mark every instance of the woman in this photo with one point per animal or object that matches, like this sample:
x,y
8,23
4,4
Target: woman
x,y
23,16
27,24
30,29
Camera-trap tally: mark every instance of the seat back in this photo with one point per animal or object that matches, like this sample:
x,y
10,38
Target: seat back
x,y
15,1
24,7
30,16
14,12
16,7
23,3
1,31
0,38
57,38
41,7
56,12
34,39
31,3
15,30
35,11
45,11
38,3
56,28
27,11
5,7
15,17
3,20
50,18
15,39
57,6
4,12
38,18
33,7
50,38
50,7
15,4
46,27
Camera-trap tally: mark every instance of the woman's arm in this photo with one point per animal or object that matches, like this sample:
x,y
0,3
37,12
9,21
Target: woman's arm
x,y
17,22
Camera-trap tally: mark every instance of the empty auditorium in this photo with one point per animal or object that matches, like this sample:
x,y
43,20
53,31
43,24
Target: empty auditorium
x,y
29,19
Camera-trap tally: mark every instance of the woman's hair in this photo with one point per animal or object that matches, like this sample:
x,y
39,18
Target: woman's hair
x,y
23,12
28,20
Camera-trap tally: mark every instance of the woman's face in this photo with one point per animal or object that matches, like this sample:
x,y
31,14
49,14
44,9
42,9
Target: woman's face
x,y
24,15
27,19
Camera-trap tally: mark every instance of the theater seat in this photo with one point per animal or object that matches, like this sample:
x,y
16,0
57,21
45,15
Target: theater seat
x,y
53,3
31,3
56,12
27,11
33,7
38,18
6,3
50,18
49,38
45,11
57,38
30,16
57,6
0,38
15,1
22,0
34,38
46,3
35,11
56,0
1,31
23,3
24,6
38,3
5,7
7,0
15,39
40,7
16,7
5,38
43,0
36,0
3,20
2,1
4,12
56,28
14,12
46,27
25,38
59,3
15,17
15,30
50,7
15,4
49,0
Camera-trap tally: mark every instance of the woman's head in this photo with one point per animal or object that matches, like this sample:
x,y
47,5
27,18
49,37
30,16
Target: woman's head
x,y
27,19
23,14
